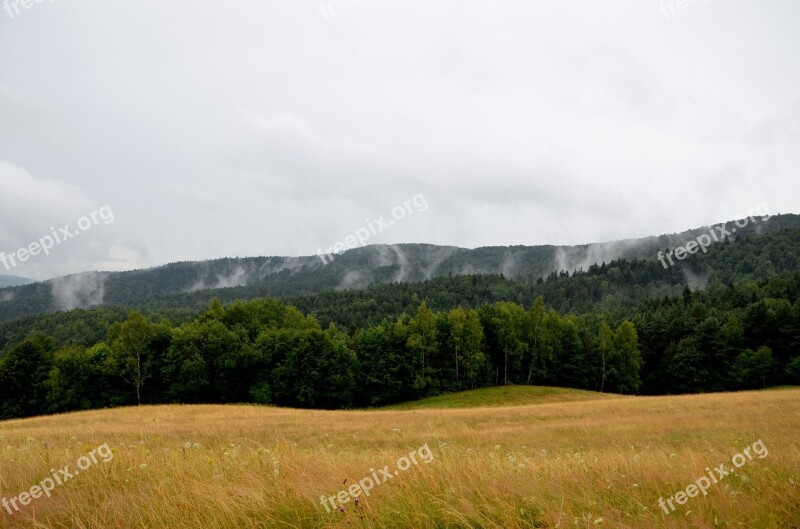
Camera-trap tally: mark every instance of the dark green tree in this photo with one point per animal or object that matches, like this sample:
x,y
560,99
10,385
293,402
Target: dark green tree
x,y
24,373
754,369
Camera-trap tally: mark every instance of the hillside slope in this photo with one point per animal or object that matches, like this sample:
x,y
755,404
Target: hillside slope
x,y
193,284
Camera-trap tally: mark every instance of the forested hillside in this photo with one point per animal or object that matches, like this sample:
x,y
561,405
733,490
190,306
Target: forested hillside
x,y
615,287
628,326
193,285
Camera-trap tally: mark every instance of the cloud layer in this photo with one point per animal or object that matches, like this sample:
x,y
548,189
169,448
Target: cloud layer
x,y
269,128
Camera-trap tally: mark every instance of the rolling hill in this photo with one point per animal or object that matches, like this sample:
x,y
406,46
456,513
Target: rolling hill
x,y
503,396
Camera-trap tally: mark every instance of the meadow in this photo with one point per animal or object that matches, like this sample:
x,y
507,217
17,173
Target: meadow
x,y
544,460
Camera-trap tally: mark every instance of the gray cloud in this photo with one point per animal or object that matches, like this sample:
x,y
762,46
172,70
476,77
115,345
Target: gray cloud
x,y
265,128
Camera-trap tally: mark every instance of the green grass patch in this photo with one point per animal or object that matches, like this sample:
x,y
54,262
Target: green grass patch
x,y
503,396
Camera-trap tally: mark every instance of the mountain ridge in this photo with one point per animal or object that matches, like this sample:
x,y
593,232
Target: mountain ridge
x,y
14,281
357,268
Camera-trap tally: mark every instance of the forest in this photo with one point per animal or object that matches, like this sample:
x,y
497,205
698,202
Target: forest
x,y
627,326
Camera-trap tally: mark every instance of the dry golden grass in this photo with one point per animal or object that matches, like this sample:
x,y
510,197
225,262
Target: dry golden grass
x,y
601,463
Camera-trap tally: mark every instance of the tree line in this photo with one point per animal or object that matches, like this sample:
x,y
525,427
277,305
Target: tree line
x,y
264,351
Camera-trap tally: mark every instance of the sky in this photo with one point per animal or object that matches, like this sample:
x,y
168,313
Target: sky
x,y
157,132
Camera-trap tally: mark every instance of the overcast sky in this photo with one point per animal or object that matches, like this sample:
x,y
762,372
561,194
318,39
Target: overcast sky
x,y
274,127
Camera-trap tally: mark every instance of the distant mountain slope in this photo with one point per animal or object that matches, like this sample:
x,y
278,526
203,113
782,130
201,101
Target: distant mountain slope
x,y
192,284
770,261
13,281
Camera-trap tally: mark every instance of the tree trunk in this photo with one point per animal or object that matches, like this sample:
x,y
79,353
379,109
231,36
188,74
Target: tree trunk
x,y
505,371
603,380
456,364
138,379
530,369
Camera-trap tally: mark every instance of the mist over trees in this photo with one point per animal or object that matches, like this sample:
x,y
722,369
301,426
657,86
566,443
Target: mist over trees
x,y
757,252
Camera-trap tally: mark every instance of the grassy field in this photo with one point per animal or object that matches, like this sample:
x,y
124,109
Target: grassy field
x,y
590,462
